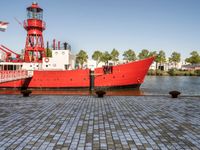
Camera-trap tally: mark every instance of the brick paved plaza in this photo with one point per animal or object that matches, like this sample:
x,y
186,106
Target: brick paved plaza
x,y
86,122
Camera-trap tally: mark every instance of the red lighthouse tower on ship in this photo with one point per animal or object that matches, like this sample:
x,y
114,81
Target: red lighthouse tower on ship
x,y
34,25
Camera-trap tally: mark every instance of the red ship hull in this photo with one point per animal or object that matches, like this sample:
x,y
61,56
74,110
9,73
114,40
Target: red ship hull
x,y
125,75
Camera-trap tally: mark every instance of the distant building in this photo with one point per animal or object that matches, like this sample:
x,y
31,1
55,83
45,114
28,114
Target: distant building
x,y
91,64
191,67
166,66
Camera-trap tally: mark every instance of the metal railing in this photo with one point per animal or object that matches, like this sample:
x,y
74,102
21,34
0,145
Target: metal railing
x,y
12,75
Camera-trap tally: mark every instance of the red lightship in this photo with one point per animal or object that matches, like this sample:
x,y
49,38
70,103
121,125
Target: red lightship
x,y
58,71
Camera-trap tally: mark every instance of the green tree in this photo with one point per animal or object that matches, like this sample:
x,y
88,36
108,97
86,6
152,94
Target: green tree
x,y
160,58
144,54
81,57
114,55
106,57
194,59
129,55
175,58
153,53
97,56
48,52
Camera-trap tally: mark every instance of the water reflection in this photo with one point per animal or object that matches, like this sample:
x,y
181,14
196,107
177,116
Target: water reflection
x,y
121,92
152,86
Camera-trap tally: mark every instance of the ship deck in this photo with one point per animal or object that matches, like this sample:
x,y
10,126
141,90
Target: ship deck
x,y
87,122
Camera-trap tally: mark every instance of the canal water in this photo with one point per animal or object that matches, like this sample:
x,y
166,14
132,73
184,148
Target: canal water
x,y
153,85
161,85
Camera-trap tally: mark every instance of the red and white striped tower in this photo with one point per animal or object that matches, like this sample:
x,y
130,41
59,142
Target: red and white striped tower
x,y
34,25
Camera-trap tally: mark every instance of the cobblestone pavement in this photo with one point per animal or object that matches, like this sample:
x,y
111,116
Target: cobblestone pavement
x,y
86,122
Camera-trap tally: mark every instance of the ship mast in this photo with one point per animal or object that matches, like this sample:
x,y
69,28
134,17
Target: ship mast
x,y
34,25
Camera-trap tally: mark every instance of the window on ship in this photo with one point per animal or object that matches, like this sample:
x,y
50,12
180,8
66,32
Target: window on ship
x,y
108,69
66,67
10,67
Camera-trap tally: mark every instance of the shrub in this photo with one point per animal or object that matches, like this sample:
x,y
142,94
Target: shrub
x,y
151,72
159,72
173,72
197,72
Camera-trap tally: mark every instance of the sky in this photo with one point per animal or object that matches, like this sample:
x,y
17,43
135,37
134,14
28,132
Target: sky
x,y
169,25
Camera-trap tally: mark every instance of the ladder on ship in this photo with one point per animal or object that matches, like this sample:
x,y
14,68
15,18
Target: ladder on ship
x,y
14,75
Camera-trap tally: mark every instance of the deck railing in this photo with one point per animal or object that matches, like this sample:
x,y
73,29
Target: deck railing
x,y
12,75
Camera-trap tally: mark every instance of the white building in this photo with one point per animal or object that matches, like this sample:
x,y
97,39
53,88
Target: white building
x,y
91,64
167,65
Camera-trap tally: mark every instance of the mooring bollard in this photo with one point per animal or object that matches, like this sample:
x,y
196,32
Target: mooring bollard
x,y
26,93
100,93
174,94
